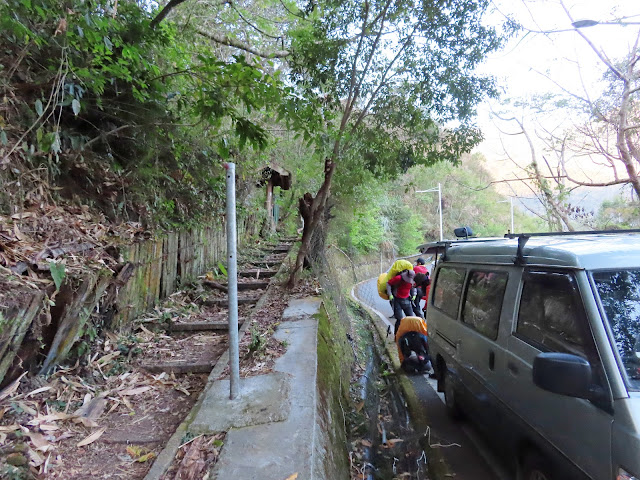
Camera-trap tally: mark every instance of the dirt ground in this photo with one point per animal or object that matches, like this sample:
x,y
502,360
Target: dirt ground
x,y
104,419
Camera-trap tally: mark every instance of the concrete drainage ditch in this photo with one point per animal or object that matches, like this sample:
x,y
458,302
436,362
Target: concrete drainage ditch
x,y
384,443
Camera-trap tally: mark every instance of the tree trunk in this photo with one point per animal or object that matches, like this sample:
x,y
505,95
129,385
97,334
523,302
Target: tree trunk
x,y
551,204
312,211
623,138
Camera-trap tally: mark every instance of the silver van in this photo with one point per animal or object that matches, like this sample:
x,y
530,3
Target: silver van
x,y
536,338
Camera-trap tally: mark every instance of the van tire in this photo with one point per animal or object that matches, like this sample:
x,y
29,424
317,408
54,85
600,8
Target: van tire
x,y
450,395
534,467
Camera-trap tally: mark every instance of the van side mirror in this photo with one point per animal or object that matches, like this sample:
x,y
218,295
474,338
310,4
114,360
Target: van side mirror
x,y
563,373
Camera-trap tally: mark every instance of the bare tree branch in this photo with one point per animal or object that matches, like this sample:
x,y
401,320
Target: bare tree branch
x,y
622,181
255,27
353,92
232,42
106,134
165,11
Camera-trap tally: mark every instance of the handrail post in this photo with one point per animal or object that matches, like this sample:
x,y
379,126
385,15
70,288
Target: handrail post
x,y
232,284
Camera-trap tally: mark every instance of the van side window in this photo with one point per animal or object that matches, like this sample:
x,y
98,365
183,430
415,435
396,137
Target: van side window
x,y
551,316
448,290
483,301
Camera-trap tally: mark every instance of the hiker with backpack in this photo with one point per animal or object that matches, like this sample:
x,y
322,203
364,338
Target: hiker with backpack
x,y
400,289
413,345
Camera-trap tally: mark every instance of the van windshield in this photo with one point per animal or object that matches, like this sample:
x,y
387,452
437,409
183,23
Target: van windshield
x,y
620,296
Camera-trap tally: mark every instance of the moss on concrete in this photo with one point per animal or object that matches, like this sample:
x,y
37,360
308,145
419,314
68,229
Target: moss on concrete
x,y
335,359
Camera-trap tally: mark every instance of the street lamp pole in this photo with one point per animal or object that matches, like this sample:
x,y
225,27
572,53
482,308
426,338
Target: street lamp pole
x,y
511,201
439,190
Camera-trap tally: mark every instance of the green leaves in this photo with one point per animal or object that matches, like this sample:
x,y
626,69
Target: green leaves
x,y
58,273
222,269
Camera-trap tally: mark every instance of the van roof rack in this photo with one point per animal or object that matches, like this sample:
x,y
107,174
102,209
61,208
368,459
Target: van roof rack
x,y
442,246
581,232
523,237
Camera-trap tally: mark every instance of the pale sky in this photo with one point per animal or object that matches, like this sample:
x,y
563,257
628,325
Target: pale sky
x,y
558,54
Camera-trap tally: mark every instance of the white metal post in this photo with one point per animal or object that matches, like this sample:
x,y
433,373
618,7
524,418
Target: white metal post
x,y
511,202
439,190
440,208
512,229
232,284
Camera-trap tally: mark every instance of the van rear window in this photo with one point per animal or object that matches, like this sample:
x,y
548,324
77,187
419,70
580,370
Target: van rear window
x,y
483,301
448,289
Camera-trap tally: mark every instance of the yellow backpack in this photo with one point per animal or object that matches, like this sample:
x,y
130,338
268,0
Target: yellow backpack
x,y
397,267
382,286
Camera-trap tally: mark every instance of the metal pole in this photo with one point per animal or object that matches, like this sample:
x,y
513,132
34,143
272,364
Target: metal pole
x,y
439,190
512,230
232,271
440,208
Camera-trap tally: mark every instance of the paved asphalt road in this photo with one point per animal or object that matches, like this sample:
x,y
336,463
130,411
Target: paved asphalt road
x,y
473,459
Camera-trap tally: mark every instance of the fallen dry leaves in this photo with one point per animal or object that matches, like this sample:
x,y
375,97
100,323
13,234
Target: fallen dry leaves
x,y
42,421
195,458
91,438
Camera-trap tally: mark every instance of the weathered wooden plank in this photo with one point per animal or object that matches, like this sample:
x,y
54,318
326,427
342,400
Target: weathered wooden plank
x,y
154,275
14,324
180,368
202,326
75,315
257,273
185,257
242,286
269,263
169,264
276,249
223,301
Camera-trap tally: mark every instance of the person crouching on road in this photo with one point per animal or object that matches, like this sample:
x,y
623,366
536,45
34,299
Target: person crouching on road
x,y
413,346
402,288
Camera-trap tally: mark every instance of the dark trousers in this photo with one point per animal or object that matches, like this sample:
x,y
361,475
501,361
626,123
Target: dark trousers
x,y
415,305
401,307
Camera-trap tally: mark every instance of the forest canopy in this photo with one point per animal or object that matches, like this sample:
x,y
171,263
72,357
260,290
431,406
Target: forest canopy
x,y
130,107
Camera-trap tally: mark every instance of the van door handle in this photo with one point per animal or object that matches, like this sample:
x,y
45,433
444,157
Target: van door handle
x,y
492,360
512,368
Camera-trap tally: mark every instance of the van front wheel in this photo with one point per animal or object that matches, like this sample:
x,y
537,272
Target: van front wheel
x,y
534,467
450,395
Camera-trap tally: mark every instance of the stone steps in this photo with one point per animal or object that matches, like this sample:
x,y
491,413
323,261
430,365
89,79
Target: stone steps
x,y
202,326
223,302
259,272
269,263
250,285
180,367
